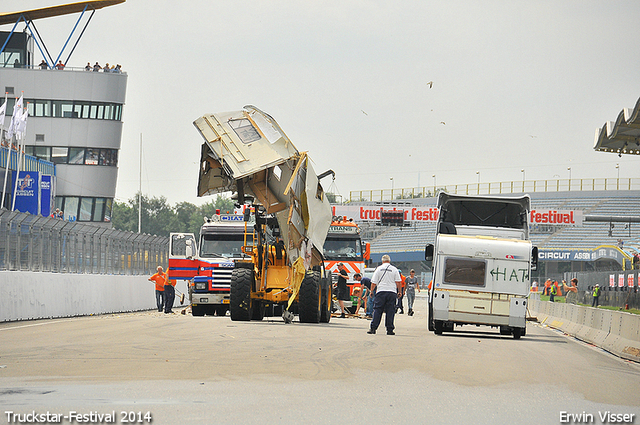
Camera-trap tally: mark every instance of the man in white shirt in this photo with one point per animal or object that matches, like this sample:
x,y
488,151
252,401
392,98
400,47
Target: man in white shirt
x,y
386,279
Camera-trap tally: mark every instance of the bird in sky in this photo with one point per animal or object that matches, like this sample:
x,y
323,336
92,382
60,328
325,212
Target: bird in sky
x,y
430,84
364,112
443,123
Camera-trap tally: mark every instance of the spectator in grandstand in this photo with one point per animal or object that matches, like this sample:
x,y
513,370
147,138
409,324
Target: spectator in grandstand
x,y
386,282
160,280
96,67
596,296
60,66
88,67
43,65
365,285
411,284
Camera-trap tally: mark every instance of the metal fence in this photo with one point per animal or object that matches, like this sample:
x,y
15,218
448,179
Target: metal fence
x,y
492,188
42,244
617,288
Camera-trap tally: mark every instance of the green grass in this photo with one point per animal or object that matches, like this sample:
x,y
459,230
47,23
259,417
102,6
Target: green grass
x,y
606,307
556,300
631,310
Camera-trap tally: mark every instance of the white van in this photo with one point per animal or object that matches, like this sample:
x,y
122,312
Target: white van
x,y
481,261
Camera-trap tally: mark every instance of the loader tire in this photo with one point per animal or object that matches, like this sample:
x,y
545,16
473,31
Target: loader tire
x,y
240,296
197,310
309,298
325,304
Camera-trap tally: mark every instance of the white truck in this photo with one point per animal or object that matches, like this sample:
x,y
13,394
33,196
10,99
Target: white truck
x,y
482,261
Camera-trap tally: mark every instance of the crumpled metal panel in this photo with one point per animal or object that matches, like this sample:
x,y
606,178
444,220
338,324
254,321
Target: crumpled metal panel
x,y
247,152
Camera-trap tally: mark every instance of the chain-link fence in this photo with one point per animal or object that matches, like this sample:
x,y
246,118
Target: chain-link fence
x,y
617,288
42,244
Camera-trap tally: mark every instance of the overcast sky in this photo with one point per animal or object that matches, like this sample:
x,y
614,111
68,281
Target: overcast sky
x,y
516,85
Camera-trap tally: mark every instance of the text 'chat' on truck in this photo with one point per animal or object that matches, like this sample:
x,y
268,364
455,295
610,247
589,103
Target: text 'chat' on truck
x,y
207,266
246,152
482,261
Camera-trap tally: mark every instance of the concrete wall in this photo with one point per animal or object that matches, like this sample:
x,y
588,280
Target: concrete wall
x,y
615,331
29,295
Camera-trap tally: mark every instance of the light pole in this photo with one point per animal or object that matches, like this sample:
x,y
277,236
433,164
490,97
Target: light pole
x,y
391,178
478,173
434,180
618,168
569,168
522,171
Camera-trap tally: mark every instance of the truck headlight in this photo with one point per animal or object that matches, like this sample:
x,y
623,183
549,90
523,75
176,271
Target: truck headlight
x,y
201,285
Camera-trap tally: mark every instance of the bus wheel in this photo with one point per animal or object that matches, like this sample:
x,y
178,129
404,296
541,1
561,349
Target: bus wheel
x,y
430,318
517,333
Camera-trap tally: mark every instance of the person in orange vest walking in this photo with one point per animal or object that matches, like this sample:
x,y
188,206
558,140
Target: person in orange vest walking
x,y
403,290
160,279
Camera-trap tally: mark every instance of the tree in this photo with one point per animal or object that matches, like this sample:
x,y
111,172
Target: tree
x,y
160,218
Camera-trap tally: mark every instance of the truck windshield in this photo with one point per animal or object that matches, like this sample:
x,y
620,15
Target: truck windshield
x,y
342,249
224,245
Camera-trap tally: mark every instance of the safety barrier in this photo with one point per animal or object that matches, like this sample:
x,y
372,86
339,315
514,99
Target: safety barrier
x,y
615,331
30,295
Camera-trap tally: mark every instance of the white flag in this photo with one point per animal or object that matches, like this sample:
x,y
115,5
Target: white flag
x,y
3,112
21,128
15,119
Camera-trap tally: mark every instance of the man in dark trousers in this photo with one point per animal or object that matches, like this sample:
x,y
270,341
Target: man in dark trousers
x,y
387,283
169,295
596,296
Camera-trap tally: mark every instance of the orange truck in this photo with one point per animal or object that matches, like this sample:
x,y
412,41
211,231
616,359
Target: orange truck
x,y
344,244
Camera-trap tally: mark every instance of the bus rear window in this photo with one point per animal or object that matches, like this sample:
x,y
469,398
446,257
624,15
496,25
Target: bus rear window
x,y
464,271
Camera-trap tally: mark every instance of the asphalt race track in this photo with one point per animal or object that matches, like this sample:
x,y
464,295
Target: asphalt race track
x,y
209,370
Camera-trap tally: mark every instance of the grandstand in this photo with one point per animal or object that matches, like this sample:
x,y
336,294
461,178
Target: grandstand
x,y
406,244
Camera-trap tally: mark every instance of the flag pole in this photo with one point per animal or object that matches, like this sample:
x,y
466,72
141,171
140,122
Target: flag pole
x,y
140,191
20,140
6,165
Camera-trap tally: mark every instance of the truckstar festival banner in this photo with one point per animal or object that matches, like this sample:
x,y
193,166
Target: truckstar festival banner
x,y
415,214
372,213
